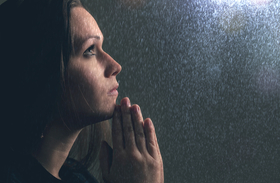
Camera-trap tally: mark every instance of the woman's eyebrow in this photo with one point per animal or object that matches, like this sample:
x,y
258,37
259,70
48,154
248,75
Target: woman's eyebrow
x,y
79,41
91,36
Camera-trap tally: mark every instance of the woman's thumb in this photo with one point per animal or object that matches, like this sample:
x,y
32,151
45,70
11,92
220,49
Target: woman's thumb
x,y
105,158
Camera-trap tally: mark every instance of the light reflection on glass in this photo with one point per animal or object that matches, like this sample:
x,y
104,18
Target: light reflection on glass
x,y
232,20
242,2
260,2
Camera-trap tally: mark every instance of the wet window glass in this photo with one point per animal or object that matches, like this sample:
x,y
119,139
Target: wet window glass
x,y
207,73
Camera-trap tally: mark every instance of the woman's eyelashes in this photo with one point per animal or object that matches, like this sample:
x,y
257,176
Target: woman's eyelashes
x,y
89,52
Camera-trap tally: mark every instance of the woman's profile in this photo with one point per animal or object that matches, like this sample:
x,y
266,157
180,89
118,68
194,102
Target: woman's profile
x,y
59,87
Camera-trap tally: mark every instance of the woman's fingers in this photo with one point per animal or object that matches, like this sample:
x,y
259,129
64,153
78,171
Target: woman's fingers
x,y
136,156
138,128
150,138
128,129
117,132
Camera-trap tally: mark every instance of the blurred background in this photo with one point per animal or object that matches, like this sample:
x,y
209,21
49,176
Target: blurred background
x,y
207,73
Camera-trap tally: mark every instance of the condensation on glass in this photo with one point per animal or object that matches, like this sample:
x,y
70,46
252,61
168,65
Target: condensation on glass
x,y
207,73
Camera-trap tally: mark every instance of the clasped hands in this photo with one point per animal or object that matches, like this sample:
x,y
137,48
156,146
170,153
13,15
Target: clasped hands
x,y
135,157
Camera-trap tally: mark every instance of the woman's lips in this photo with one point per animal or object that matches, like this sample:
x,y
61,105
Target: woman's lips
x,y
114,91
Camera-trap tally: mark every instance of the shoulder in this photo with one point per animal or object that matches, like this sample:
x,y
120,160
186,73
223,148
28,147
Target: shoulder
x,y
26,169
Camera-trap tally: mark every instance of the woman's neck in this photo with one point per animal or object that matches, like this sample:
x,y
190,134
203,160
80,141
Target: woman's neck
x,y
55,146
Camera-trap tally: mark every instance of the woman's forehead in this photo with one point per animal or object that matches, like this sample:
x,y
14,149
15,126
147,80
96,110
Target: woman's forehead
x,y
83,25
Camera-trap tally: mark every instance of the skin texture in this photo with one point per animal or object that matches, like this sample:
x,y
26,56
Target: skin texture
x,y
91,72
92,75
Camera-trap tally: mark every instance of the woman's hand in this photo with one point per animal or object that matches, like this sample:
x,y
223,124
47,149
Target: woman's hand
x,y
136,156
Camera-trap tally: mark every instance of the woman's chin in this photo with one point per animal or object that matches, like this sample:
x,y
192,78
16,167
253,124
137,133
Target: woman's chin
x,y
89,119
79,119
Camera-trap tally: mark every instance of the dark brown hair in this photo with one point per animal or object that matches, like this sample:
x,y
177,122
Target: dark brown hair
x,y
35,45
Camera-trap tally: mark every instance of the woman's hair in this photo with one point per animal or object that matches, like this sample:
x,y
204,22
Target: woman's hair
x,y
35,45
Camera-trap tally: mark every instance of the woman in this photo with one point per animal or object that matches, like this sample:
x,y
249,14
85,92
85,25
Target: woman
x,y
58,83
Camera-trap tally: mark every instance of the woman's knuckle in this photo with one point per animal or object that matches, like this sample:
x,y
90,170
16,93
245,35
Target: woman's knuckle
x,y
126,111
128,129
135,156
154,165
140,134
152,144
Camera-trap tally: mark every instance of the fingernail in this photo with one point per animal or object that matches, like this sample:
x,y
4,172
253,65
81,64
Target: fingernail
x,y
149,123
124,102
135,109
127,103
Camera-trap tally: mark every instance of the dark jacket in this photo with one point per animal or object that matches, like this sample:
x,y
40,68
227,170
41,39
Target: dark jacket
x,y
25,168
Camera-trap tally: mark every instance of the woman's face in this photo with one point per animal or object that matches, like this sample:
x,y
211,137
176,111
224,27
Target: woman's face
x,y
91,73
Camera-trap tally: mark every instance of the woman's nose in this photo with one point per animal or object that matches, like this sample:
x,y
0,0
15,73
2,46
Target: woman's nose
x,y
112,68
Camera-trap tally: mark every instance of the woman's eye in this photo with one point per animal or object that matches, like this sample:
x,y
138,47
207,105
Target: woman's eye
x,y
89,51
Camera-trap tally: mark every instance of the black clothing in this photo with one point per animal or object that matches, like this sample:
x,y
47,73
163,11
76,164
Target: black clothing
x,y
26,169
